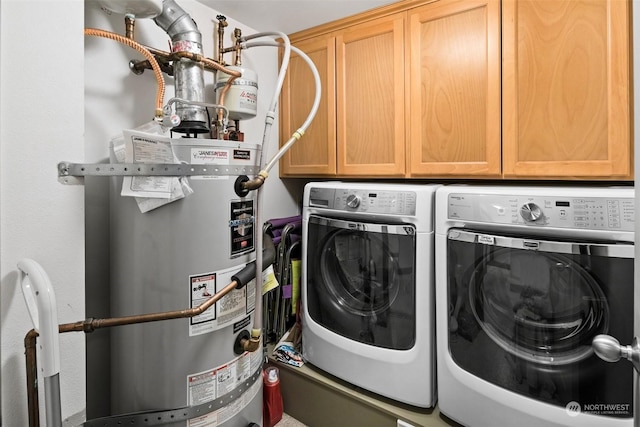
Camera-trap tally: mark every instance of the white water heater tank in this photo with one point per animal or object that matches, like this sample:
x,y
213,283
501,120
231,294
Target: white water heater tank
x,y
242,96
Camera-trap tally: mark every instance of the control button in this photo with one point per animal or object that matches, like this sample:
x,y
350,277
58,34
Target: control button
x,y
530,212
353,201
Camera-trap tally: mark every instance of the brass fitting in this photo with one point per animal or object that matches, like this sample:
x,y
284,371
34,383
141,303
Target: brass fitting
x,y
256,182
253,343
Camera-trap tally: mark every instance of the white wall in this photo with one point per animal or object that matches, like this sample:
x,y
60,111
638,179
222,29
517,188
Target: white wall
x,y
62,102
41,95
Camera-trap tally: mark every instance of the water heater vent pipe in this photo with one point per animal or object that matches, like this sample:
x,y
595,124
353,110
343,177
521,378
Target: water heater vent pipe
x,y
188,74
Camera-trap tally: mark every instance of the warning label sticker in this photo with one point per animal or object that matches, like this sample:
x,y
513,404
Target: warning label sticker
x,y
228,309
224,414
202,288
204,387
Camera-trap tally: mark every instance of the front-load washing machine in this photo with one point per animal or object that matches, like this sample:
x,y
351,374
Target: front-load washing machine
x,y
526,277
367,299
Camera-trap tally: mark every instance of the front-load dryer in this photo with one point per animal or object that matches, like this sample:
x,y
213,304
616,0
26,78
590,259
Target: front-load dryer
x,y
526,277
367,299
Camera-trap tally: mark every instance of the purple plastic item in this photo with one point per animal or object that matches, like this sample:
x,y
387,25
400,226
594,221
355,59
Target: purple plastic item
x,y
281,222
287,291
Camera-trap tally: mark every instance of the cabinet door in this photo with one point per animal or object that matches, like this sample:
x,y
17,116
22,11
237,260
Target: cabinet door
x,y
370,98
315,152
566,88
454,88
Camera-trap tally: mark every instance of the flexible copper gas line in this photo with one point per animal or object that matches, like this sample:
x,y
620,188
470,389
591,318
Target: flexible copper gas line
x,y
144,51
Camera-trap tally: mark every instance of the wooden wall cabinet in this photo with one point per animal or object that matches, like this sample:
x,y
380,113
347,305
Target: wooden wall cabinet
x,y
566,89
523,89
370,98
359,128
315,153
454,89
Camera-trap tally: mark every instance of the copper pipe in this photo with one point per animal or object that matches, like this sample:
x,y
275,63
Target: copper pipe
x,y
32,378
209,64
237,33
229,49
129,24
222,23
223,94
90,325
157,52
153,317
138,67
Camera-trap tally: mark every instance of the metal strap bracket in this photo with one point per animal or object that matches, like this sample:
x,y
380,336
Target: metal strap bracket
x,y
160,417
72,173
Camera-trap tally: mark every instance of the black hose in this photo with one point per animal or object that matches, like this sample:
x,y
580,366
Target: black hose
x,y
247,274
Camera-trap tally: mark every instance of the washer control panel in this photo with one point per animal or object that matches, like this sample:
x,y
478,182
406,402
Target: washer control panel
x,y
364,200
597,213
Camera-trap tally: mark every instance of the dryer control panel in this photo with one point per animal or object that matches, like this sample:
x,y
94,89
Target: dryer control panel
x,y
595,213
364,200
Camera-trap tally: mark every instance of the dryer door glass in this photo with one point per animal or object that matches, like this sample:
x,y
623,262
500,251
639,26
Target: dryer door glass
x,y
361,280
523,313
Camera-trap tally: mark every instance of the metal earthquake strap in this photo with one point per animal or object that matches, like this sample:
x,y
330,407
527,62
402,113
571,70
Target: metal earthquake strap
x,y
156,418
66,169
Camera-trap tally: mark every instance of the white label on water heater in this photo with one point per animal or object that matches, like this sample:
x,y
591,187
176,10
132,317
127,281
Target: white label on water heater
x,y
210,156
236,304
204,387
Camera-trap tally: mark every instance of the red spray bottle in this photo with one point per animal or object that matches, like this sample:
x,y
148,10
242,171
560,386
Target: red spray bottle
x,y
272,398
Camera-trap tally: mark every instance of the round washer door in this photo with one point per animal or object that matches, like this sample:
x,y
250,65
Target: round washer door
x,y
539,306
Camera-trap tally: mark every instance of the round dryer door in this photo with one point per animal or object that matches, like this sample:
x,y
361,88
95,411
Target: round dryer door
x,y
361,280
359,271
542,307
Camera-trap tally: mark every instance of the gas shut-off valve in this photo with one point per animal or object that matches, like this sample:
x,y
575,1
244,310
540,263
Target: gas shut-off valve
x,y
609,349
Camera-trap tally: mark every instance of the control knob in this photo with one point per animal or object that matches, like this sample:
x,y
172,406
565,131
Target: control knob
x,y
353,201
530,212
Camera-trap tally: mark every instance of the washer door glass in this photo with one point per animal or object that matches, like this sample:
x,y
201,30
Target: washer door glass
x,y
542,307
361,281
523,313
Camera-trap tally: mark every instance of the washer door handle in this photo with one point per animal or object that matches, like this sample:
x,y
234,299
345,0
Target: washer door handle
x,y
609,349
